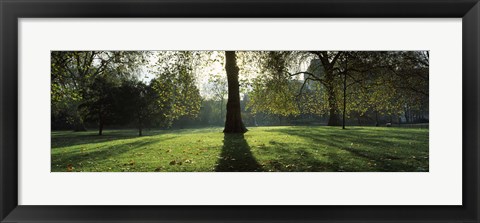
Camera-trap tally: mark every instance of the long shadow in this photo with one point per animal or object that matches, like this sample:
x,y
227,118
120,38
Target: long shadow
x,y
74,139
236,155
100,154
70,138
67,138
385,160
298,160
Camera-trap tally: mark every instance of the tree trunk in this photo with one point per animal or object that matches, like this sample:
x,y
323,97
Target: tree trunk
x,y
233,121
100,127
328,66
332,103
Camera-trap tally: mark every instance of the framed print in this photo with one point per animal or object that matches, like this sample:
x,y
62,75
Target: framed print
x,y
239,111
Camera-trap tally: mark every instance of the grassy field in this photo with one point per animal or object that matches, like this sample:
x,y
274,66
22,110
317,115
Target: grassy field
x,y
287,148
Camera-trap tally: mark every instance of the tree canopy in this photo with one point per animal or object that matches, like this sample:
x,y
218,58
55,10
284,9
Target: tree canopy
x,y
164,89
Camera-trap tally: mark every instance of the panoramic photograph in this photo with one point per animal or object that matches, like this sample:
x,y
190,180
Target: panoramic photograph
x,y
239,111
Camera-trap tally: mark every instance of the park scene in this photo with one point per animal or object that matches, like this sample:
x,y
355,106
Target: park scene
x,y
239,111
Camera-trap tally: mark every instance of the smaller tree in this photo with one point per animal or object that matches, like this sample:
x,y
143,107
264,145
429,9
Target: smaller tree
x,y
135,102
99,105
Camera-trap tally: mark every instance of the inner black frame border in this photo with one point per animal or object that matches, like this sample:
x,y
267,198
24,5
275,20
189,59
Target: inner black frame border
x,y
12,10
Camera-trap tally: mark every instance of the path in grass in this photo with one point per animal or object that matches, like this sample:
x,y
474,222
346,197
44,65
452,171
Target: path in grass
x,y
285,148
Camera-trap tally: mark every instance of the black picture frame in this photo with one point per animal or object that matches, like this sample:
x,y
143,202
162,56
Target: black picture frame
x,y
11,11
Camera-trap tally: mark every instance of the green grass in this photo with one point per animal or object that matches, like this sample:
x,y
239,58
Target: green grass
x,y
286,148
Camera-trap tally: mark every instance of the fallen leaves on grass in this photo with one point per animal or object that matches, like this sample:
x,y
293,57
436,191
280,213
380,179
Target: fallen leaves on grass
x,y
70,168
175,162
132,162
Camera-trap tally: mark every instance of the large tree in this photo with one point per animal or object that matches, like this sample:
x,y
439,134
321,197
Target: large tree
x,y
329,63
233,121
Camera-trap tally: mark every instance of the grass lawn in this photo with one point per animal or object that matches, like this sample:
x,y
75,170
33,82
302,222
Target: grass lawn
x,y
285,148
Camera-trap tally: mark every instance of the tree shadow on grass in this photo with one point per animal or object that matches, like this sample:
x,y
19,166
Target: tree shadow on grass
x,y
285,159
376,150
68,138
74,138
384,161
236,155
82,158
